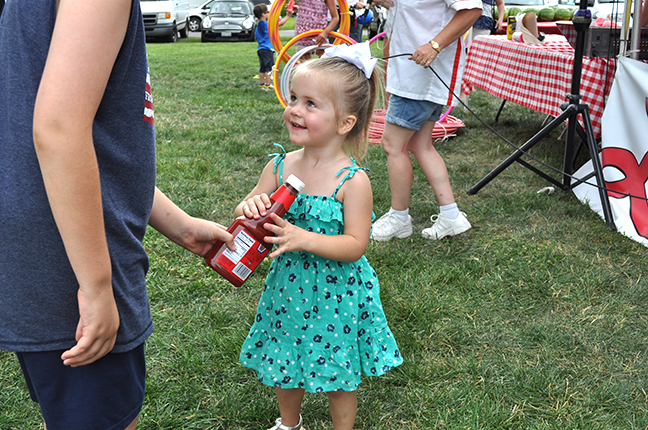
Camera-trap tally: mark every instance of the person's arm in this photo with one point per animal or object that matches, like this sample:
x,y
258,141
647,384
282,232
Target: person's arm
x,y
285,19
644,14
335,19
458,25
501,8
384,3
194,234
67,101
350,245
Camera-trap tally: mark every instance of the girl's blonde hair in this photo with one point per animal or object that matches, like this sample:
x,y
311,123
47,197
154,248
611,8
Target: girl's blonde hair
x,y
352,94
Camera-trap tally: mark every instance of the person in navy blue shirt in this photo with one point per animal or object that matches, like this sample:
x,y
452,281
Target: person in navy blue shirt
x,y
77,194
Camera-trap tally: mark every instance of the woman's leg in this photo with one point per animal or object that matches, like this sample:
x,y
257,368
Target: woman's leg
x,y
431,163
399,165
343,406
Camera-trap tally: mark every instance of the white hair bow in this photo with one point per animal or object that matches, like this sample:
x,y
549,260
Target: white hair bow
x,y
358,54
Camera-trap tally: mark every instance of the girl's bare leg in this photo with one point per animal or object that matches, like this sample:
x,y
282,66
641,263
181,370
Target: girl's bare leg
x,y
290,401
343,406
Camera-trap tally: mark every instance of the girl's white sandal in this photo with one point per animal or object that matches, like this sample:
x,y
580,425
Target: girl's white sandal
x,y
279,426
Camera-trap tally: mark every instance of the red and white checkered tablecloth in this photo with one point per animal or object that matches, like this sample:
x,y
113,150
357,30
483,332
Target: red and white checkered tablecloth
x,y
537,76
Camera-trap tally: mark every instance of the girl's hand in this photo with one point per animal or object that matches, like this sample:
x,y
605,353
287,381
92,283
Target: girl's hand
x,y
256,206
288,237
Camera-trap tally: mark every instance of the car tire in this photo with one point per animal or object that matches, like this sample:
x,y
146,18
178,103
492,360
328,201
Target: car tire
x,y
194,23
173,37
202,37
183,32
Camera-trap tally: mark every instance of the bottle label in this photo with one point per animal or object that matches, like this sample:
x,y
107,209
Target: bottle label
x,y
248,255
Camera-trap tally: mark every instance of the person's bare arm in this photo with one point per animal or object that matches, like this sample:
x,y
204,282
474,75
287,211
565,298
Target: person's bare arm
x,y
501,8
335,20
350,245
460,23
194,234
285,19
80,59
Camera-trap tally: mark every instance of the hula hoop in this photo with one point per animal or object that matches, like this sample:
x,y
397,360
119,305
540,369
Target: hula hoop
x,y
445,114
376,37
275,70
273,23
285,74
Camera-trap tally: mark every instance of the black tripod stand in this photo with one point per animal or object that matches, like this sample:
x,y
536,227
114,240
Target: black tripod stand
x,y
571,109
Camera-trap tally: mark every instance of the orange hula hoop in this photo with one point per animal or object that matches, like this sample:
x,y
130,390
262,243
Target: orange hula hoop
x,y
273,23
342,38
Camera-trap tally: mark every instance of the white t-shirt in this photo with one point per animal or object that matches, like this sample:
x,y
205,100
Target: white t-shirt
x,y
415,23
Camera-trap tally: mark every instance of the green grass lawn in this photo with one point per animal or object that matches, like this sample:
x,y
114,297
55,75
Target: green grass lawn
x,y
537,318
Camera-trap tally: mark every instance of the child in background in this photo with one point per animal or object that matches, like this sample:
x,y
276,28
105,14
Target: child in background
x,y
265,50
315,15
320,323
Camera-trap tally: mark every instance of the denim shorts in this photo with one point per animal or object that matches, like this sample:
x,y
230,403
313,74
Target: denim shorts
x,y
266,60
105,395
411,114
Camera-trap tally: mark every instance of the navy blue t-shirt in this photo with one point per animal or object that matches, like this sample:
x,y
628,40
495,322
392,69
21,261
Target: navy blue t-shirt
x,y
38,289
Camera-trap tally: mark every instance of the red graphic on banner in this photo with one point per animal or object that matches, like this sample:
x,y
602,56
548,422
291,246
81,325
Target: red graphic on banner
x,y
634,183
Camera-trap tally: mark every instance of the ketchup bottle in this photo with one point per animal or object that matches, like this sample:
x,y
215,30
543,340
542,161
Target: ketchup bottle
x,y
251,249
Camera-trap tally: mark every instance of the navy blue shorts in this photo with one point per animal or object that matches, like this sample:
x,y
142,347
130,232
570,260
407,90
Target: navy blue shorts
x,y
411,114
266,60
104,395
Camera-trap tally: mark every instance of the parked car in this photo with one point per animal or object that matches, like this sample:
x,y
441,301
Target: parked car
x,y
197,14
229,20
165,18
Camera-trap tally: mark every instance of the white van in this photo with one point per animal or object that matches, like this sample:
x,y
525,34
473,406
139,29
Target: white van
x,y
165,18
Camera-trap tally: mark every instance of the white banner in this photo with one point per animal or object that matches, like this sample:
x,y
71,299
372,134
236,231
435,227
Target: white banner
x,y
624,137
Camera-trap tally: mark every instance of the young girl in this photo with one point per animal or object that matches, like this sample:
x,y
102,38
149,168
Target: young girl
x,y
320,322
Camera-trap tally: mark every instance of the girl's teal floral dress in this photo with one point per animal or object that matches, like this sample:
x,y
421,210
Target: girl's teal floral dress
x,y
320,323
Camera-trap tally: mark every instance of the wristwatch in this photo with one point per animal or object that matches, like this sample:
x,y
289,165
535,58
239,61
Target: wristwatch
x,y
435,46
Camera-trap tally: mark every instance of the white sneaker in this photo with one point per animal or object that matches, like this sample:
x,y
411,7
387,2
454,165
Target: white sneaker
x,y
388,226
444,226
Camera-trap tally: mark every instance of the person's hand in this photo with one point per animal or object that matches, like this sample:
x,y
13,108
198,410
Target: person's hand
x,y
383,3
255,207
97,329
322,38
424,55
288,237
202,235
